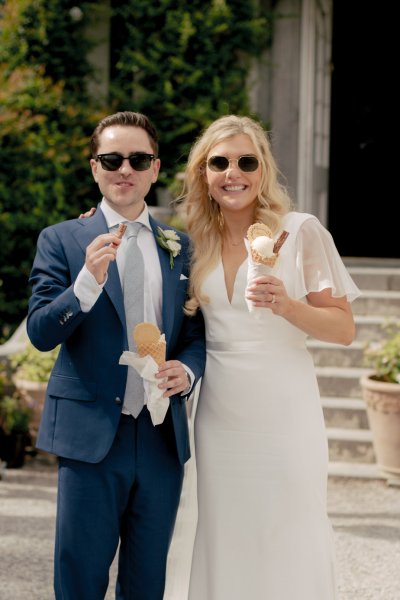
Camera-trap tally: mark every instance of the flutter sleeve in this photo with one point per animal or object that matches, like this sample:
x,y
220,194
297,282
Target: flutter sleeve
x,y
319,265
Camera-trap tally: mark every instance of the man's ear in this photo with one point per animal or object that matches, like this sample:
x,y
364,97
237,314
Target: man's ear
x,y
94,165
156,169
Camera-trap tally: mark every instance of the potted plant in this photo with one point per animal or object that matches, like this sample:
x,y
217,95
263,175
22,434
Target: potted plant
x,y
381,392
14,430
32,370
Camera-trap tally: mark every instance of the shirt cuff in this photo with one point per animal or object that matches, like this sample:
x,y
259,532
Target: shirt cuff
x,y
191,378
87,290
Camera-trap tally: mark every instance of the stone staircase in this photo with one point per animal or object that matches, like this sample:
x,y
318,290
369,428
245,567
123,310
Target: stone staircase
x,y
339,369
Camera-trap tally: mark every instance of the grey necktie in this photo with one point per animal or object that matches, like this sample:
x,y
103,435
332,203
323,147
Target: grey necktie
x,y
134,314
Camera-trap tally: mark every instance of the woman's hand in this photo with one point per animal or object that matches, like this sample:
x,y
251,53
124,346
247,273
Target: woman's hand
x,y
269,292
323,317
174,378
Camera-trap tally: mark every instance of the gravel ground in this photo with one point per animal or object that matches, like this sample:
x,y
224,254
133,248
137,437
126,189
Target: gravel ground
x,y
365,515
366,520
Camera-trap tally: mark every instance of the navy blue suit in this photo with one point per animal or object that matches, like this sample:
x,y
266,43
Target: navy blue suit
x,y
107,461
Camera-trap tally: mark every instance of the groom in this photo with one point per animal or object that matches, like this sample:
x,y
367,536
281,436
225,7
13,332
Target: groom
x,y
119,476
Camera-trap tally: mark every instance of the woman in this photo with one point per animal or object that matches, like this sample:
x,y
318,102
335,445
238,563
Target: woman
x,y
261,446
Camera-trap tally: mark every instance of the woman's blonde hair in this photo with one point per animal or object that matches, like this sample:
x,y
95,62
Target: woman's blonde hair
x,y
200,212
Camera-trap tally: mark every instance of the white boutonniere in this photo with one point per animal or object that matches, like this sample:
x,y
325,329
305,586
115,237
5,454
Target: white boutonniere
x,y
169,240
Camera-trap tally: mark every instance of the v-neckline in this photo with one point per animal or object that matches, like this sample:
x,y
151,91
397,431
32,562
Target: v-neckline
x,y
230,301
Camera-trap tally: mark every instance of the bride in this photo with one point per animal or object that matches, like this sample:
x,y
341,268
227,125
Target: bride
x,y
260,442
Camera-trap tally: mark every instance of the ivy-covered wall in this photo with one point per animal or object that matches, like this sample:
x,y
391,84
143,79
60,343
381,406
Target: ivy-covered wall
x,y
184,64
46,116
181,63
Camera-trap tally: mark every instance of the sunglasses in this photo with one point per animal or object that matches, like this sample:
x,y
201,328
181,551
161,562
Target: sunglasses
x,y
219,164
139,161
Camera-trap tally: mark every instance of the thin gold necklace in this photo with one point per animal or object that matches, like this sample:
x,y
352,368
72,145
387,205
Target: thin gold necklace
x,y
231,242
235,243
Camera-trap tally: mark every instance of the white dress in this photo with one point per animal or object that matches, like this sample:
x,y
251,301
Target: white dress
x,y
261,447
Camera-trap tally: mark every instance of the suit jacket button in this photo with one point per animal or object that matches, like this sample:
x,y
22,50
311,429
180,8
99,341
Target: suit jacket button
x,y
118,400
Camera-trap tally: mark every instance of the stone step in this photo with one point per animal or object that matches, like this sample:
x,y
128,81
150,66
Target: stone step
x,y
369,327
354,470
378,302
340,381
344,413
371,262
350,445
339,369
336,355
376,278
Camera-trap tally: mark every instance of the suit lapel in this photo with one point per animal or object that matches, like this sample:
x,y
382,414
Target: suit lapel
x,y
91,228
96,225
170,279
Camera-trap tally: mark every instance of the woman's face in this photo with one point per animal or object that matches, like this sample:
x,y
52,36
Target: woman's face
x,y
233,189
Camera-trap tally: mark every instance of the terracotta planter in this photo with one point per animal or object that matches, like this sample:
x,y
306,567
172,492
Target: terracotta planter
x,y
383,407
34,393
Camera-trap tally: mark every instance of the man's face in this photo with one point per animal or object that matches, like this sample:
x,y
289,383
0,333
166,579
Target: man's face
x,y
125,188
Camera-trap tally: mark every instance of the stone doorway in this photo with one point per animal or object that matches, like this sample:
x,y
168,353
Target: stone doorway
x,y
364,208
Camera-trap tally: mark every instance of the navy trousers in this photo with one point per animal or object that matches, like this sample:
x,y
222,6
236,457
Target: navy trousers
x,y
129,498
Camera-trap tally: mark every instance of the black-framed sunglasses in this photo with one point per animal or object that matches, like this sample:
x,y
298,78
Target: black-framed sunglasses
x,y
246,163
139,161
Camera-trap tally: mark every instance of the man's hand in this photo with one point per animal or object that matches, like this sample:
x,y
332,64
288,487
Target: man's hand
x,y
88,213
100,253
174,378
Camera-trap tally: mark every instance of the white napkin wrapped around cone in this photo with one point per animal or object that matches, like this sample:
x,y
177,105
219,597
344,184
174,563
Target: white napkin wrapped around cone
x,y
151,347
263,253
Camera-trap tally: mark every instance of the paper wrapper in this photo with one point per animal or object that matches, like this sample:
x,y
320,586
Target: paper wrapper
x,y
258,265
255,269
147,368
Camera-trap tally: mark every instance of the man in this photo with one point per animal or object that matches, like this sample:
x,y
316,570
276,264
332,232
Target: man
x,y
120,476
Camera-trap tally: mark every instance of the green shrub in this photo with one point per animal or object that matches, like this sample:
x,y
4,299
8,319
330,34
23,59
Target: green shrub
x,y
32,364
384,356
14,414
46,117
184,64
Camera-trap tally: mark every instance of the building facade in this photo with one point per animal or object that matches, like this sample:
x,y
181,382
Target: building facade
x,y
322,88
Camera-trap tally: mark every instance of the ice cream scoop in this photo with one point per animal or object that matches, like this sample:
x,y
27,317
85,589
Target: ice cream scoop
x,y
264,245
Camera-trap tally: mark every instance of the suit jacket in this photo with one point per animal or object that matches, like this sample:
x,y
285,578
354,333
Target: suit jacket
x,y
86,388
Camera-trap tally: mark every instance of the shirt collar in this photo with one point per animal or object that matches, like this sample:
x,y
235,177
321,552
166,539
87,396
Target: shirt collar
x,y
113,218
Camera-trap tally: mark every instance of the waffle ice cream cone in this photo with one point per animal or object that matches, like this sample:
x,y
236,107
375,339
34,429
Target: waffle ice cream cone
x,y
150,341
255,231
263,248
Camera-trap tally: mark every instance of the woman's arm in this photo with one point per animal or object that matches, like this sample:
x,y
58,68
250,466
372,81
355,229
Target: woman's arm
x,y
323,317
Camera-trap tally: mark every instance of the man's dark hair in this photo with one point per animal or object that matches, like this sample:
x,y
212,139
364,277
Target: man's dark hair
x,y
125,118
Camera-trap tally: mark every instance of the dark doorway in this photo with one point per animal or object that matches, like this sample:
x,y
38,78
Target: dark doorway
x,y
364,214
